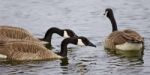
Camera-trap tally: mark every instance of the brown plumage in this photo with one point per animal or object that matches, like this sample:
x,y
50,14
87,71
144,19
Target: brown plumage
x,y
16,33
120,37
20,33
22,50
26,51
127,38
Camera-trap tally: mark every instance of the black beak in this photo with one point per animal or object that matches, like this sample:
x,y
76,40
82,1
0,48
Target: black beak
x,y
105,13
91,44
75,35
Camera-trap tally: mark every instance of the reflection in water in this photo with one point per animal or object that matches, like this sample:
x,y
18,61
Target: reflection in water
x,y
132,56
64,65
133,53
49,46
74,69
129,53
64,61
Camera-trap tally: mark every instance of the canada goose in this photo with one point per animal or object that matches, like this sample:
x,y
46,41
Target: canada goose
x,y
33,51
66,33
20,33
122,40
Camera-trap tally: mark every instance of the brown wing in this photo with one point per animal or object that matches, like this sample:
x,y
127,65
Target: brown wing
x,y
27,47
120,37
117,37
16,33
132,36
16,28
31,51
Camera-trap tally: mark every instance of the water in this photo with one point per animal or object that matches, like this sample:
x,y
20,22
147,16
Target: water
x,y
85,18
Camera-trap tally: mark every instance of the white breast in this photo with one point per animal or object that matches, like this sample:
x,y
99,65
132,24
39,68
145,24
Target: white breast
x,y
129,46
3,56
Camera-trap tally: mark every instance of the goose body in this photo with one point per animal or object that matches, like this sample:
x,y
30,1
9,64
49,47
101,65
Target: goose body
x,y
26,51
122,40
20,33
21,50
16,33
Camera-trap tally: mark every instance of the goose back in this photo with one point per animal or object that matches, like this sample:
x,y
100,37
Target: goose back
x,y
16,33
26,51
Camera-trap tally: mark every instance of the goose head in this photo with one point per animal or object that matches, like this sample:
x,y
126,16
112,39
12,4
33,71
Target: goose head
x,y
81,41
108,12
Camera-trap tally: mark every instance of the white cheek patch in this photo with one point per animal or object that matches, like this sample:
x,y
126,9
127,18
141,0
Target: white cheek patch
x,y
80,42
66,34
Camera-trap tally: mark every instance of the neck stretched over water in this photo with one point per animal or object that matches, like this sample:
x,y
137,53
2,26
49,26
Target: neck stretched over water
x,y
49,33
64,44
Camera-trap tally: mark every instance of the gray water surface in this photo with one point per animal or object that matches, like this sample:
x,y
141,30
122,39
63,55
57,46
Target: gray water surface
x,y
85,17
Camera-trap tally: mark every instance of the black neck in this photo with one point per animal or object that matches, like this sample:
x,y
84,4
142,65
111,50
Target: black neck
x,y
64,44
49,33
113,22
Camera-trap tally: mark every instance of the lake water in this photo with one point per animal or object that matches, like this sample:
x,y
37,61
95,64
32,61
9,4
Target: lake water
x,y
85,18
